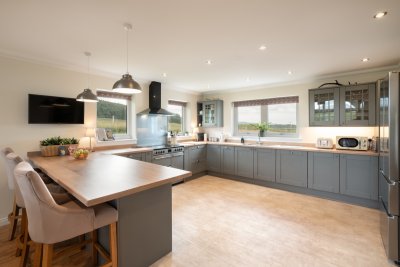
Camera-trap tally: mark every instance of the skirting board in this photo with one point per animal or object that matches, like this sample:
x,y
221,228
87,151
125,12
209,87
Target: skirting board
x,y
3,221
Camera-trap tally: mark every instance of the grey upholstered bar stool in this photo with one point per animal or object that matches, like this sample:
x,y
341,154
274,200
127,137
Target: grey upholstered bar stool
x,y
50,223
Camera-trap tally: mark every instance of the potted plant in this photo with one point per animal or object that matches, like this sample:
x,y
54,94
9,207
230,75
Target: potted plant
x,y
262,128
50,146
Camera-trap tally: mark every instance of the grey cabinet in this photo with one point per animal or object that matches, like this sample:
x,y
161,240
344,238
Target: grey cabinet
x,y
359,176
142,156
228,160
212,113
352,105
291,167
264,164
357,106
323,171
324,106
177,161
244,162
197,159
214,158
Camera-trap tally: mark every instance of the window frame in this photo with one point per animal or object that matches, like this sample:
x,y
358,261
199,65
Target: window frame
x,y
129,131
183,119
264,117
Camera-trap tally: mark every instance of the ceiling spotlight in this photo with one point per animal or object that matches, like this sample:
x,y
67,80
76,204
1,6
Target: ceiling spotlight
x,y
380,15
289,72
164,74
209,62
263,47
365,59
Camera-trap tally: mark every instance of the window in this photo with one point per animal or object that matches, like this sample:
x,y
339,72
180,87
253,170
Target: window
x,y
280,113
113,113
176,123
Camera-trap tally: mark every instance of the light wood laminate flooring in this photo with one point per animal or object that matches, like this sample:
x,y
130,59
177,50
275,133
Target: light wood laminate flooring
x,y
219,222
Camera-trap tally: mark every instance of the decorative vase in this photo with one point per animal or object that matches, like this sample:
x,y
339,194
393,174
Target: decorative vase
x,y
49,151
261,133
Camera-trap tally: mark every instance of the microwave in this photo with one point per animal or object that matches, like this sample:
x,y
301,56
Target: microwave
x,y
352,142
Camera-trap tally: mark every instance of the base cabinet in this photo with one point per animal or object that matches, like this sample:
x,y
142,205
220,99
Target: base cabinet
x,y
214,158
323,171
197,159
291,167
143,156
228,160
244,161
264,164
359,176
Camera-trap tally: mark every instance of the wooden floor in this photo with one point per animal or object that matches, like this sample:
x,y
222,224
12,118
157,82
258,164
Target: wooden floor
x,y
219,222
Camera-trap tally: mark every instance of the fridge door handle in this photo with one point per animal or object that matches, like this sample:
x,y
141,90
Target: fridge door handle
x,y
390,216
390,182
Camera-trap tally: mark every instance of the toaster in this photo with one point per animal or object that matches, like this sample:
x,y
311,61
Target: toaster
x,y
323,142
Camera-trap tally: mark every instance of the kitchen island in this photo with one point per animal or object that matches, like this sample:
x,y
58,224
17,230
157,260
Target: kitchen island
x,y
140,191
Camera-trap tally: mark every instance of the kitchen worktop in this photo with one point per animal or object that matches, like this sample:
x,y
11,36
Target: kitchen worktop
x,y
105,176
291,146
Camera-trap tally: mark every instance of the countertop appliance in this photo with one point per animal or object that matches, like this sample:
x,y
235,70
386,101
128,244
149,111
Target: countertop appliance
x,y
389,175
323,142
352,142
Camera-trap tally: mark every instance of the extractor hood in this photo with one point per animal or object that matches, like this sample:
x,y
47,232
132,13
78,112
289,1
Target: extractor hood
x,y
155,102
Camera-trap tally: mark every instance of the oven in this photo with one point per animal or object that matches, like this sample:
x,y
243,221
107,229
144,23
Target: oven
x,y
169,156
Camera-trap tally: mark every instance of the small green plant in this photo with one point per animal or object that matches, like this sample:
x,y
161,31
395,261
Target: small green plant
x,y
263,126
55,141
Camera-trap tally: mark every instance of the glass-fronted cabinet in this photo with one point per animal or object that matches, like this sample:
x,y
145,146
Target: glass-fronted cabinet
x,y
358,105
212,113
324,105
352,105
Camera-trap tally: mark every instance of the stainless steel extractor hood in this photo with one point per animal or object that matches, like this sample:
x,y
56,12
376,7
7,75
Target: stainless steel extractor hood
x,y
155,102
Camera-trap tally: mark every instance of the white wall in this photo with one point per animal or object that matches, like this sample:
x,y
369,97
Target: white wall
x,y
306,134
19,78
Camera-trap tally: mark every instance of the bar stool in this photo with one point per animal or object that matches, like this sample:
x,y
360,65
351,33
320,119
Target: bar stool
x,y
57,192
50,223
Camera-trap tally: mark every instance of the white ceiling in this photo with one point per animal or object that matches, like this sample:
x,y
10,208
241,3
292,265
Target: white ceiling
x,y
312,38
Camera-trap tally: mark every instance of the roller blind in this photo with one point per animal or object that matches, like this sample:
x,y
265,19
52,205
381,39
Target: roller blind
x,y
267,101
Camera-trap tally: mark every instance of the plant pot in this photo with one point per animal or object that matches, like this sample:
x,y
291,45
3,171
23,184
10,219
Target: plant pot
x,y
261,133
49,151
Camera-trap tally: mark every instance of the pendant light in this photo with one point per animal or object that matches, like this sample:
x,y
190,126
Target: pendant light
x,y
127,85
87,94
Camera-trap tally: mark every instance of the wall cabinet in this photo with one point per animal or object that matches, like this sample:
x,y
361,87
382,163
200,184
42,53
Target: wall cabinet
x,y
291,167
210,113
324,106
359,176
197,159
214,158
244,162
352,105
228,160
264,164
323,171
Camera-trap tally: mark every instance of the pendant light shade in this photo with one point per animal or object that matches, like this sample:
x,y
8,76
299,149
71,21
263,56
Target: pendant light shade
x,y
87,94
127,85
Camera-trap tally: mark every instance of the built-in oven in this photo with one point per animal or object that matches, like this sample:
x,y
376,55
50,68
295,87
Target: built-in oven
x,y
169,156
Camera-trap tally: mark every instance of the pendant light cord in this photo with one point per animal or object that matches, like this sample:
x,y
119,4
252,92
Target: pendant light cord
x,y
127,50
88,54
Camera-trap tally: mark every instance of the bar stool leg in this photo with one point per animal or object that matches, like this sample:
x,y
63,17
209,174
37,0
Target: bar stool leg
x,y
25,241
37,260
47,255
13,218
94,249
113,244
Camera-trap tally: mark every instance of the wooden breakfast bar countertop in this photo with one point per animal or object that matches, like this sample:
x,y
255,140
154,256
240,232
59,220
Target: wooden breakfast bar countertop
x,y
103,177
140,191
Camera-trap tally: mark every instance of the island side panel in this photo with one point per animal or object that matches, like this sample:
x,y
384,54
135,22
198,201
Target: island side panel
x,y
145,226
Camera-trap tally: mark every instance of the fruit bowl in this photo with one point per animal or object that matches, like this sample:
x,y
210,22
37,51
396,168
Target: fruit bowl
x,y
80,153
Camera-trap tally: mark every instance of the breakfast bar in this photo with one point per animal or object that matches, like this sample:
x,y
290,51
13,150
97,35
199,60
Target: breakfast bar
x,y
140,191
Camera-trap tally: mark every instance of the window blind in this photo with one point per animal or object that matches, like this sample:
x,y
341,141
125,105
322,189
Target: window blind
x,y
177,103
109,94
267,101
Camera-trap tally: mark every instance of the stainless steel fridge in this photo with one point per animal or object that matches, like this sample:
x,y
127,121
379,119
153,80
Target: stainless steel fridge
x,y
389,178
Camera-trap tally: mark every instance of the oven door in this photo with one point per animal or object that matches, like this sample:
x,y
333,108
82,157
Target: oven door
x,y
164,160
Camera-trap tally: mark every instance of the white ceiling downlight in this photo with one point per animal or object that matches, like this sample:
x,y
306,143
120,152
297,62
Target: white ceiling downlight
x,y
365,59
380,14
262,47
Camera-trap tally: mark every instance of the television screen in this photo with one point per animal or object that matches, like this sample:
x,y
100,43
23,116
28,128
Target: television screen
x,y
53,109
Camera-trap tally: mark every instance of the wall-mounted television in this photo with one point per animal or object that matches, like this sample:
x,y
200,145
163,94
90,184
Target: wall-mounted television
x,y
55,110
